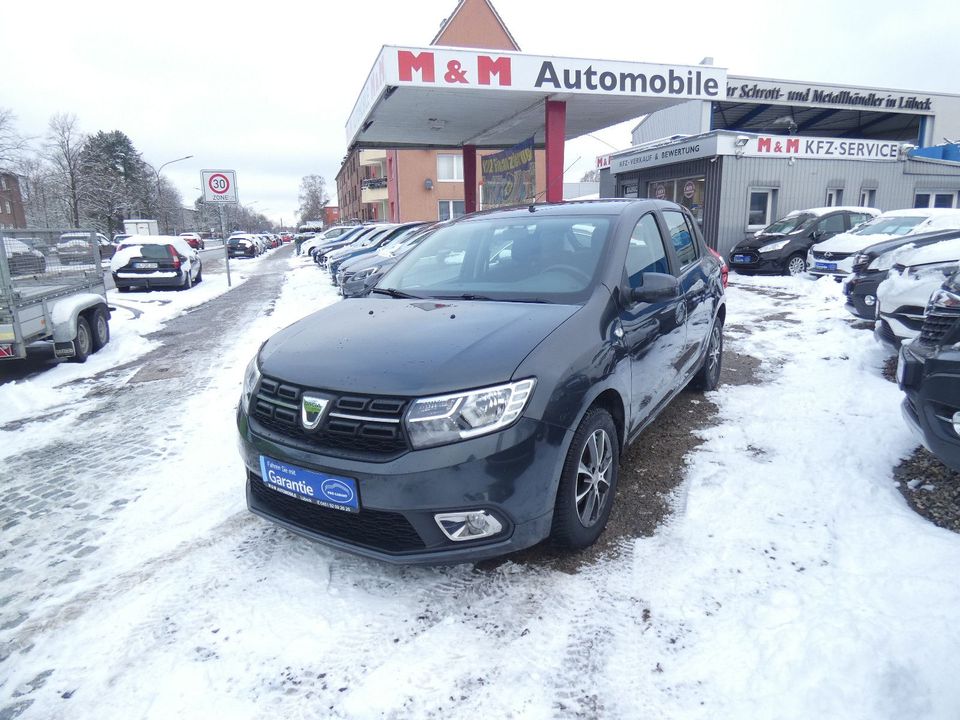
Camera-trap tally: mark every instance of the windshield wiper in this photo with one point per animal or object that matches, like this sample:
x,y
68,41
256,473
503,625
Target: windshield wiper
x,y
470,296
394,293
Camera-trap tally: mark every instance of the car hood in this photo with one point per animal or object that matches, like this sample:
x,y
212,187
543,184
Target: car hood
x,y
851,242
384,346
753,243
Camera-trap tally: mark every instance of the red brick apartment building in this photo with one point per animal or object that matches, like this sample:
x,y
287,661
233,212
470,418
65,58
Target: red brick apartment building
x,y
12,214
404,185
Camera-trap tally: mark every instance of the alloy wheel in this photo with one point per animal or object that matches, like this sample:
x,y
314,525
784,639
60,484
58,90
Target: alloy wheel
x,y
593,477
796,265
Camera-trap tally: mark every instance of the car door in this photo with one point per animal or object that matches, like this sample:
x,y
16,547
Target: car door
x,y
653,333
693,275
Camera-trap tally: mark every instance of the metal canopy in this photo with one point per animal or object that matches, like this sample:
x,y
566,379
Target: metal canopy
x,y
451,97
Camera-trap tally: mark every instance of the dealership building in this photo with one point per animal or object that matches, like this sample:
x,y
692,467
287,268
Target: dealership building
x,y
772,146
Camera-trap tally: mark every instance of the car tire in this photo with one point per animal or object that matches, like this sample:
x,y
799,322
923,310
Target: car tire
x,y
83,342
796,265
199,278
708,376
582,507
187,281
100,326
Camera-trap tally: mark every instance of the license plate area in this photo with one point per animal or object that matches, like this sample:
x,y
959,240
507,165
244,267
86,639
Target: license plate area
x,y
742,259
329,491
826,266
146,265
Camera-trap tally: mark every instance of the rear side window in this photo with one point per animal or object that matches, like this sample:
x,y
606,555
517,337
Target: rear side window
x,y
683,238
646,252
831,224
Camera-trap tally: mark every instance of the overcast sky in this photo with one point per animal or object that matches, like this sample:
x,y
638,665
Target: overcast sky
x,y
265,88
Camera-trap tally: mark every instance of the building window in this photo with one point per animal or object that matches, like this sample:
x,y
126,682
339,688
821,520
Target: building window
x,y
834,197
683,191
868,198
761,207
450,168
933,199
449,209
3,182
8,207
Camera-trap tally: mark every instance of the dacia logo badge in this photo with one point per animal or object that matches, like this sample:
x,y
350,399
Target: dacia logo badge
x,y
312,408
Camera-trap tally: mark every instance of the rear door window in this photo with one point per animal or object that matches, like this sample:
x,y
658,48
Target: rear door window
x,y
683,238
831,225
645,252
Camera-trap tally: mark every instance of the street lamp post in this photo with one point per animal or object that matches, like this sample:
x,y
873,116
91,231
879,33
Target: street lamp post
x,y
163,214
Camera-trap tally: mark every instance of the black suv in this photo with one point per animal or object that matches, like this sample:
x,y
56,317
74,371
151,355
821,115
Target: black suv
x,y
479,399
781,247
929,373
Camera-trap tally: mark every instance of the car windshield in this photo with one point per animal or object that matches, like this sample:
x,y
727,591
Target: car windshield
x,y
546,259
900,225
788,224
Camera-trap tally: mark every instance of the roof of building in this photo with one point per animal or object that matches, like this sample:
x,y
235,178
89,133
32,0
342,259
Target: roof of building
x,y
485,7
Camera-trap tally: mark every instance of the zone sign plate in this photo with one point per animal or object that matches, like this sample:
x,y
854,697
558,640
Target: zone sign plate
x,y
219,186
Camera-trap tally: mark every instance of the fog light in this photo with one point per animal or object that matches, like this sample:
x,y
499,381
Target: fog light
x,y
956,423
470,525
870,300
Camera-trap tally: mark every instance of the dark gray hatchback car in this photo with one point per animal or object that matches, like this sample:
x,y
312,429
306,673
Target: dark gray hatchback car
x,y
478,401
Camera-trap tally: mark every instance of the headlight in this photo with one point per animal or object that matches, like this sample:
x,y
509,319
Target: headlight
x,y
251,378
881,262
921,271
773,246
448,418
860,259
364,274
945,299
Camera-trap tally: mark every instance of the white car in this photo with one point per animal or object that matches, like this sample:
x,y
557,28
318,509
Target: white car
x,y
902,298
836,256
329,234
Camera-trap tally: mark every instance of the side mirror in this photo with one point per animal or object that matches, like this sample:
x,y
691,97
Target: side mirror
x,y
655,287
816,234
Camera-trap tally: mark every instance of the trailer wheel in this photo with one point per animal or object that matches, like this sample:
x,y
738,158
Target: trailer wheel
x,y
101,328
83,342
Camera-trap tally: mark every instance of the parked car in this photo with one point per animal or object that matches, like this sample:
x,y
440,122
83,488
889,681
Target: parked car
x,y
323,250
903,296
194,239
76,249
310,244
479,400
152,261
23,258
370,243
119,238
928,372
286,237
781,247
872,265
243,245
358,276
835,256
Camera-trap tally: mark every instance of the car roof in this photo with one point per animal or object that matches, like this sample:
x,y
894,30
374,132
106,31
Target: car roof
x,y
921,212
601,206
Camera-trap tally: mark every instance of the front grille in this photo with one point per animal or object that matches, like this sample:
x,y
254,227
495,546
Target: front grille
x,y
936,324
386,531
357,427
830,256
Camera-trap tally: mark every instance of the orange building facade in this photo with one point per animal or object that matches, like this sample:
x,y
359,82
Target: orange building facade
x,y
402,185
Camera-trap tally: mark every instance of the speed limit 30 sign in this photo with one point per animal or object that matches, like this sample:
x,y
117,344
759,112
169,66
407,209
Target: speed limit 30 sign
x,y
219,186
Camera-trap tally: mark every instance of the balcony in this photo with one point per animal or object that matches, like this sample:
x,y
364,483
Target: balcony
x,y
373,157
373,189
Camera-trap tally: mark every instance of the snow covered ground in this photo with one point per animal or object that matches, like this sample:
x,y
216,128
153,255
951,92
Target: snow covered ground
x,y
792,581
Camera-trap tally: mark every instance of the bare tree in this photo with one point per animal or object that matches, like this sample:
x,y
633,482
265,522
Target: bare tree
x,y
591,176
40,196
63,150
313,197
12,143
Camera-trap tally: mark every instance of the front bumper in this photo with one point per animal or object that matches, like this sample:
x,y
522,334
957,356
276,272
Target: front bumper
x,y
771,263
930,377
858,289
512,474
838,268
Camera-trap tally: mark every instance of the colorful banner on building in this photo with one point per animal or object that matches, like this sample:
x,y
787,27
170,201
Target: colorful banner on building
x,y
509,177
